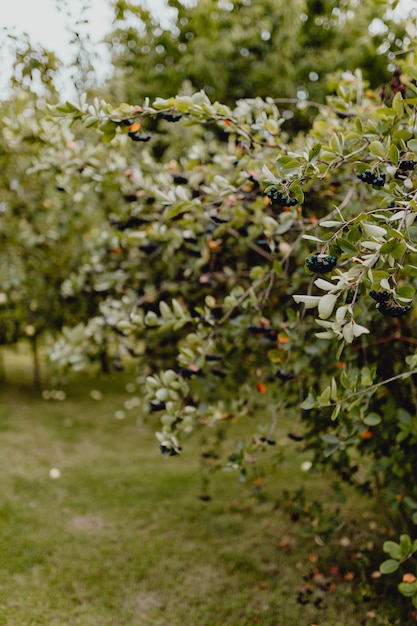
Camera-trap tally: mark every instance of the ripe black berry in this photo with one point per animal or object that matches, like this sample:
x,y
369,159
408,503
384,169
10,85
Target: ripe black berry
x,y
284,376
170,117
189,372
218,220
179,180
369,177
136,137
156,406
393,310
321,263
148,247
406,165
279,197
295,437
380,296
213,357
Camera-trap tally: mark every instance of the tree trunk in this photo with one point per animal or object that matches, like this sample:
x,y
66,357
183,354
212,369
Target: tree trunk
x,y
36,363
2,365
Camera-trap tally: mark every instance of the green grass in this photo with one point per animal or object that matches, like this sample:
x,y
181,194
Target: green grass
x,y
121,537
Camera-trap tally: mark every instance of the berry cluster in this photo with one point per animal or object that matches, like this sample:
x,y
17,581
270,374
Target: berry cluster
x,y
393,310
170,117
369,177
380,296
406,165
387,306
279,198
321,263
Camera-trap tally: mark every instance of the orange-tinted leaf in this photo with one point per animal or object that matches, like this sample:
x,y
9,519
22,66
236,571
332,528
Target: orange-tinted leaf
x,y
133,128
409,578
214,245
261,387
283,338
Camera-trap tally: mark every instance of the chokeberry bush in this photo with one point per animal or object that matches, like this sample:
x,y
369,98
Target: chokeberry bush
x,y
255,269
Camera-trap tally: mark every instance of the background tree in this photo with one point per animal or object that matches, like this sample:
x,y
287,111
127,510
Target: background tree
x,y
242,49
46,214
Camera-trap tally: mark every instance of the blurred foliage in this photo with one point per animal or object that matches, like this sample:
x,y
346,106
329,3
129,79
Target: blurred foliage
x,y
250,268
241,49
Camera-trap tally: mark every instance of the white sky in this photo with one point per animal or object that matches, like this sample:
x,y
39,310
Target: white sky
x,y
46,25
52,28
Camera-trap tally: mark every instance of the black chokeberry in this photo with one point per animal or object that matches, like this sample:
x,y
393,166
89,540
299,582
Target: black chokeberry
x,y
260,330
213,357
406,165
218,220
135,137
154,407
321,263
380,296
189,372
170,117
295,437
284,376
148,247
370,178
179,179
279,197
393,310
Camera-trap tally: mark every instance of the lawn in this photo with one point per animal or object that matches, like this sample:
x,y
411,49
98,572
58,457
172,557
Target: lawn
x,y
97,529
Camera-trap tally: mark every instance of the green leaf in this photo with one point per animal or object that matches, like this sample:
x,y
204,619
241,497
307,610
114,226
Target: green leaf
x,y
410,270
354,234
408,589
324,397
394,154
314,153
310,401
377,148
372,419
389,566
326,305
165,311
405,544
411,70
412,145
347,246
394,248
177,209
398,104
407,291
297,191
393,549
333,394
